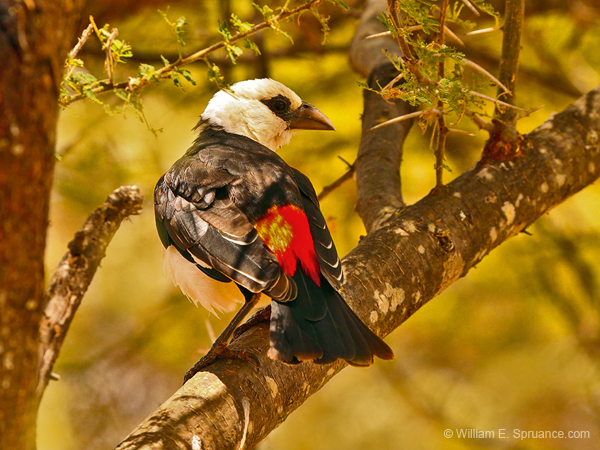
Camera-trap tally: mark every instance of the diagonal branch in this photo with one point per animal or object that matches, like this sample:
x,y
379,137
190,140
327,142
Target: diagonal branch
x,y
392,273
137,84
75,272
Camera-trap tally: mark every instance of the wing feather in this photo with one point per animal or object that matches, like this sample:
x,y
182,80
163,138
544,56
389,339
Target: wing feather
x,y
195,214
327,254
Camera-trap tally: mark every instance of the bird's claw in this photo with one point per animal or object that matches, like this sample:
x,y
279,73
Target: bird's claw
x,y
263,315
216,352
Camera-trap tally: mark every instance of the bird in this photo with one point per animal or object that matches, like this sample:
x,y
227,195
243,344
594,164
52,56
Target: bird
x,y
237,221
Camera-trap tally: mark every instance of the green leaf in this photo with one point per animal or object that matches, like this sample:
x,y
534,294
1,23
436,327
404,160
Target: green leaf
x,y
215,75
224,30
249,44
74,62
147,71
187,75
122,94
176,80
239,25
266,12
178,28
233,51
120,50
91,95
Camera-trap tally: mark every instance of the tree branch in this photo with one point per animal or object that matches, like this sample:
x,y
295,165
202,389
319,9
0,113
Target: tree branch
x,y
392,273
380,151
509,67
75,272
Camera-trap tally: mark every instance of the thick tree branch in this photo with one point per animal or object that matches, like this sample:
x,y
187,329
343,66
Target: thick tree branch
x,y
392,273
75,272
380,151
367,54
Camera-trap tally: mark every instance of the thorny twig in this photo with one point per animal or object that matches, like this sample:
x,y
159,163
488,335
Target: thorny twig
x,y
164,72
81,41
412,63
108,64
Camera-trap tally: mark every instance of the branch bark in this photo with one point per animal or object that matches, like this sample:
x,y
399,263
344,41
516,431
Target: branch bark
x,y
380,152
75,272
509,68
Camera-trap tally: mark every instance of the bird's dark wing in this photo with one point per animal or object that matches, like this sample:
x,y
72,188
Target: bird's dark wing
x,y
327,254
195,214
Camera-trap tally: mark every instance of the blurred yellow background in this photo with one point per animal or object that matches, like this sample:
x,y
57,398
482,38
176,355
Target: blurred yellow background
x,y
514,345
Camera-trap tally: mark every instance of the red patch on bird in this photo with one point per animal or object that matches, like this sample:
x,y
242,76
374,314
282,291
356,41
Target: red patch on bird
x,y
286,233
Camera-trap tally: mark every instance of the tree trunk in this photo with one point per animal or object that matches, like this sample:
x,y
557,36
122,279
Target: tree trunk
x,y
34,39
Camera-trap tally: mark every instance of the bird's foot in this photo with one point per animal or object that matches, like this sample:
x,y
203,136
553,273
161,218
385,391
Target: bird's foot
x,y
263,315
219,351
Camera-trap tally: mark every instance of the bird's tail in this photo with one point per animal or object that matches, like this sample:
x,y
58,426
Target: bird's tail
x,y
319,326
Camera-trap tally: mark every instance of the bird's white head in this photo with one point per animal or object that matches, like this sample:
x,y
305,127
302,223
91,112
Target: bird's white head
x,y
264,110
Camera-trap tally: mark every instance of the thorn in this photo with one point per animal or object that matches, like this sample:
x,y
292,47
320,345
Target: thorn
x,y
451,34
531,111
405,117
480,69
482,31
494,100
457,131
471,7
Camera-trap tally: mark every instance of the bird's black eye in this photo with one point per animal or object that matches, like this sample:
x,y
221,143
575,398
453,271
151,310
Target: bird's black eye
x,y
279,105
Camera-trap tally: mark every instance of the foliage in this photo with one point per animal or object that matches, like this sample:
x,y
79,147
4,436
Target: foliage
x,y
431,70
79,83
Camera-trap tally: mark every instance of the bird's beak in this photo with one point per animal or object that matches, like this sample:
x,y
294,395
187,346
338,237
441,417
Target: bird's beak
x,y
307,117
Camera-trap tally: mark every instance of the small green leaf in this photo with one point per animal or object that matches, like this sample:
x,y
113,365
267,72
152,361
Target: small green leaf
x,y
266,12
239,25
233,51
91,95
215,75
122,94
250,45
147,71
187,75
178,28
224,30
74,62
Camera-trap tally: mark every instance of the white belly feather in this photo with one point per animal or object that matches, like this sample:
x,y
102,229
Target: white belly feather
x,y
199,287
